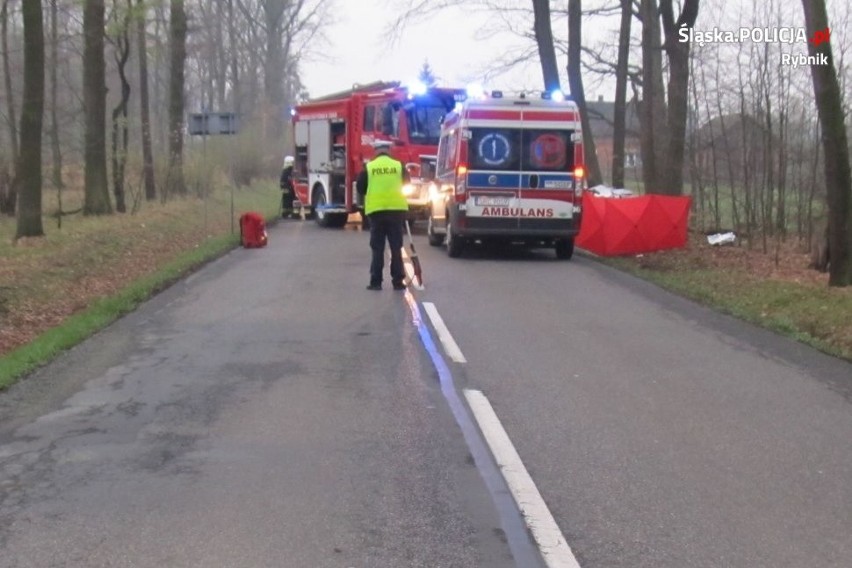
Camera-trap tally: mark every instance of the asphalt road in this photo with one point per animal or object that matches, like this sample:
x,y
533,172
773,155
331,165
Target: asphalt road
x,y
269,411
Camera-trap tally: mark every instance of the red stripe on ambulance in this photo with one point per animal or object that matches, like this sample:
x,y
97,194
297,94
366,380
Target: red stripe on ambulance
x,y
549,115
493,114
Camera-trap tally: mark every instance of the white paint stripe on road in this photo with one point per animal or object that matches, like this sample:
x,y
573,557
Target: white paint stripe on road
x,y
545,531
450,345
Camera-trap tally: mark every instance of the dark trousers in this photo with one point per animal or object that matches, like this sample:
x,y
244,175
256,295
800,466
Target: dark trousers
x,y
386,225
287,201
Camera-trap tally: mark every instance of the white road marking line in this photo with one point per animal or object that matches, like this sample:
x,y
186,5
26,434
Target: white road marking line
x,y
545,531
450,345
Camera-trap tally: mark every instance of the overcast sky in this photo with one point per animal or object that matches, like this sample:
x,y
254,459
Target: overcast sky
x,y
358,54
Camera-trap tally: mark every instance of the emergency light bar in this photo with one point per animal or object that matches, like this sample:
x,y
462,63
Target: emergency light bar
x,y
477,92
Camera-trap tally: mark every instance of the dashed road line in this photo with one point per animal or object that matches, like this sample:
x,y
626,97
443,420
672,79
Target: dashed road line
x,y
450,345
545,531
524,550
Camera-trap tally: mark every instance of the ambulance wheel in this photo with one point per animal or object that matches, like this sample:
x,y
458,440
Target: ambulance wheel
x,y
564,249
455,245
434,240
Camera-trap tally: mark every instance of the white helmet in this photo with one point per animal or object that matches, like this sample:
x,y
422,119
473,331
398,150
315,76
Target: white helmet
x,y
288,161
380,145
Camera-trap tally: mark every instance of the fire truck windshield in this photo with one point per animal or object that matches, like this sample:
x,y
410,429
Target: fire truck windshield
x,y
423,116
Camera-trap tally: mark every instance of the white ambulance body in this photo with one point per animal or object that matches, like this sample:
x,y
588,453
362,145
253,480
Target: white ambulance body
x,y
509,170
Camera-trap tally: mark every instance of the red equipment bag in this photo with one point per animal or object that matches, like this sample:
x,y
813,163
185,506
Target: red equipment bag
x,y
252,230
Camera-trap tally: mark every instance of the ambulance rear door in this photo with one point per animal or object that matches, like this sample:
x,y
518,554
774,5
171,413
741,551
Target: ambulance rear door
x,y
493,178
546,195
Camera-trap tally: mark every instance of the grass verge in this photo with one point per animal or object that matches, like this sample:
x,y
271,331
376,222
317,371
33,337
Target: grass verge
x,y
102,312
57,290
808,312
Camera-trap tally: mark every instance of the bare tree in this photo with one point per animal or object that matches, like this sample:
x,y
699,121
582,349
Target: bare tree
x,y
32,112
177,44
838,177
120,131
94,95
544,41
652,110
144,101
236,88
620,108
8,193
677,52
55,144
578,93
664,123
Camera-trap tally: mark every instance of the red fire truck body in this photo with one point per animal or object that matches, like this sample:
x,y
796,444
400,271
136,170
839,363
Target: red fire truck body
x,y
334,137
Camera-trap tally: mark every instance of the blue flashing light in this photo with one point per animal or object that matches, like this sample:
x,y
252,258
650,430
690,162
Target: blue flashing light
x,y
557,95
416,88
475,91
497,94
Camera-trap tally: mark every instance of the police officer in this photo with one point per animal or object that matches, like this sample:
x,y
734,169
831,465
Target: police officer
x,y
288,190
380,184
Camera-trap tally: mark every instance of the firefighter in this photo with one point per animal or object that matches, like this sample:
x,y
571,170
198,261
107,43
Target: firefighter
x,y
380,184
288,191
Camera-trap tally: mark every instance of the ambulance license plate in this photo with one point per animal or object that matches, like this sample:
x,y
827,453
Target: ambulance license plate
x,y
488,200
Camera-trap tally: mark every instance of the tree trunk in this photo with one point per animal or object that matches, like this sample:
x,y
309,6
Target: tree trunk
x,y
236,100
32,113
221,56
575,80
838,177
55,146
652,112
160,99
619,119
671,175
8,193
544,41
273,77
94,100
119,113
144,102
177,27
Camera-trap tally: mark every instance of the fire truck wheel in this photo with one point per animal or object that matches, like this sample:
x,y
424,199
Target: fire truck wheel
x,y
564,249
455,245
434,240
318,202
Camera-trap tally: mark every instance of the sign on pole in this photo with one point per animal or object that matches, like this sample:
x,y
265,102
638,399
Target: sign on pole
x,y
209,123
213,123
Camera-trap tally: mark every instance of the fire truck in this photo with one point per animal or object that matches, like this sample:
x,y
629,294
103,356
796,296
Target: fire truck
x,y
333,137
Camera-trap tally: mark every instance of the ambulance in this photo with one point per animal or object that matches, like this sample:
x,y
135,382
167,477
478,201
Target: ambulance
x,y
509,171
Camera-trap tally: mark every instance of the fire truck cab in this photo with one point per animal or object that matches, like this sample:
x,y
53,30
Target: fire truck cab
x,y
334,136
509,170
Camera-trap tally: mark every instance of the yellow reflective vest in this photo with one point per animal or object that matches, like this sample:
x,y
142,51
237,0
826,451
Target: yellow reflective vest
x,y
384,185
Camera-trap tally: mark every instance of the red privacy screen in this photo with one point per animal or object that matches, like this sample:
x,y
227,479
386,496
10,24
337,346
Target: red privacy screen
x,y
632,225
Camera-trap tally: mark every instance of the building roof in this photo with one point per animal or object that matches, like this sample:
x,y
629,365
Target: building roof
x,y
601,114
